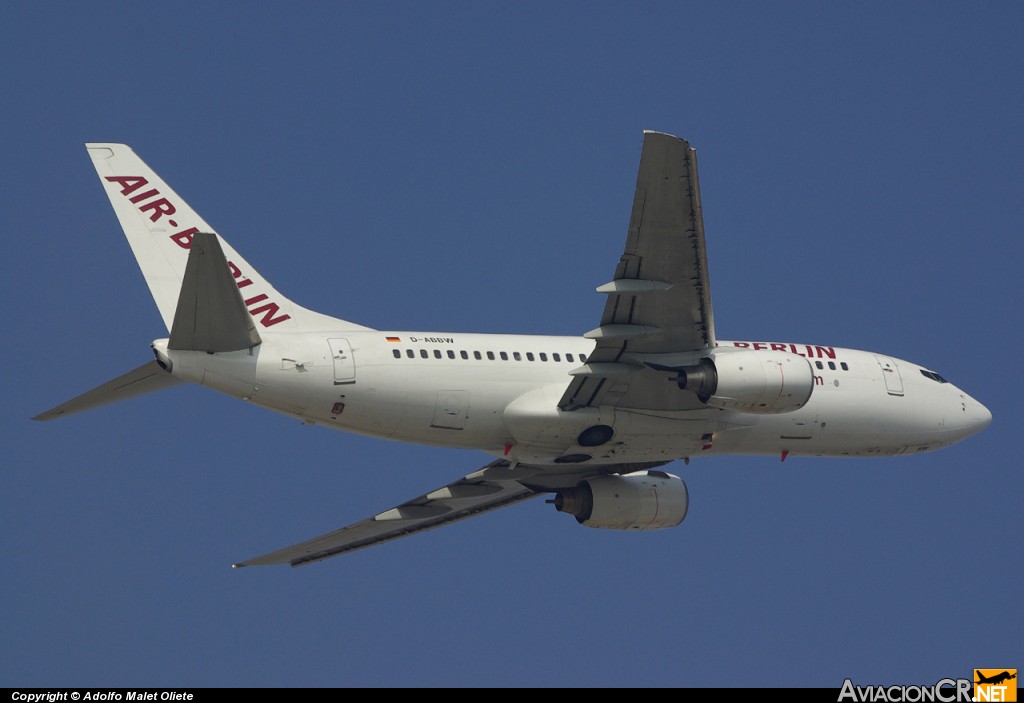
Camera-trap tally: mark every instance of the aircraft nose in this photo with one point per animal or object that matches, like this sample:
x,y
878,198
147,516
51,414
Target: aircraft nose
x,y
976,416
981,415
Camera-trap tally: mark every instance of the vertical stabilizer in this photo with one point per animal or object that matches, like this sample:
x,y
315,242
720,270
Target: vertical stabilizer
x,y
160,227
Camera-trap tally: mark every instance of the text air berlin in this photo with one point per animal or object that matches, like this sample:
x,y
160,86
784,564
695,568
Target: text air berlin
x,y
152,204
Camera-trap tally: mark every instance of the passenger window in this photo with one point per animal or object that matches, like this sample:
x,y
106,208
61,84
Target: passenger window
x,y
451,354
583,358
832,365
843,366
476,355
490,356
504,356
463,354
556,357
409,353
568,357
423,353
517,356
543,356
529,356
819,364
397,353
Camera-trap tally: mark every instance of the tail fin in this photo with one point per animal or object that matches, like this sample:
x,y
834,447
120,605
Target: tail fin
x,y
160,226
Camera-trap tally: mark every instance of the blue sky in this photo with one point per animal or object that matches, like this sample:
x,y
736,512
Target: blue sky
x,y
467,166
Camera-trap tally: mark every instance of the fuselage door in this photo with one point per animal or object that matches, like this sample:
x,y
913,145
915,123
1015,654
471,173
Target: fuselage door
x,y
891,375
344,364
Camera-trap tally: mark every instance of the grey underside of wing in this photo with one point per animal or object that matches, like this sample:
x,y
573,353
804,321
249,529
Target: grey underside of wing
x,y
496,485
491,488
659,301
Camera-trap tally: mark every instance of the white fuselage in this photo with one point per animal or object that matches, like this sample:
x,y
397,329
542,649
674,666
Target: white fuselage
x,y
500,393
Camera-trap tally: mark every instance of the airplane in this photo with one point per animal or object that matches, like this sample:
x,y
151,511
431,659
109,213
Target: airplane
x,y
589,421
997,678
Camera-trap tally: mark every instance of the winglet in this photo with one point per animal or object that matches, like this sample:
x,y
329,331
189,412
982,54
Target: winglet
x,y
211,315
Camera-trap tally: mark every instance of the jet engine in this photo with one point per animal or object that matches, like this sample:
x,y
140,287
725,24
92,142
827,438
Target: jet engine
x,y
750,381
644,500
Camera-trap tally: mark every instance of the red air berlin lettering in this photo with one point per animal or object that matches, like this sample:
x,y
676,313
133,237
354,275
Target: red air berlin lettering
x,y
162,206
130,184
804,350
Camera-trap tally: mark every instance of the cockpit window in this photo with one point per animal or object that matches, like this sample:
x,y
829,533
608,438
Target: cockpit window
x,y
934,376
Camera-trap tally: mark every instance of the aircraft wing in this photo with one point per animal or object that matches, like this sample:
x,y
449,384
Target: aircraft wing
x,y
490,488
660,298
496,485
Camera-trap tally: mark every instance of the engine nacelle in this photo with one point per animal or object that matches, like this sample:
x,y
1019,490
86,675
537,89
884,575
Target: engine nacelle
x,y
751,381
645,500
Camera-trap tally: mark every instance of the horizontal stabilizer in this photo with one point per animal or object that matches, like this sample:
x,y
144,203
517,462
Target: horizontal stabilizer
x,y
211,314
145,379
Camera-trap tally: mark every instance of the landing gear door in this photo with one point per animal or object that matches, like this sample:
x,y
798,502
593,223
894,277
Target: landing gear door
x,y
451,410
344,364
